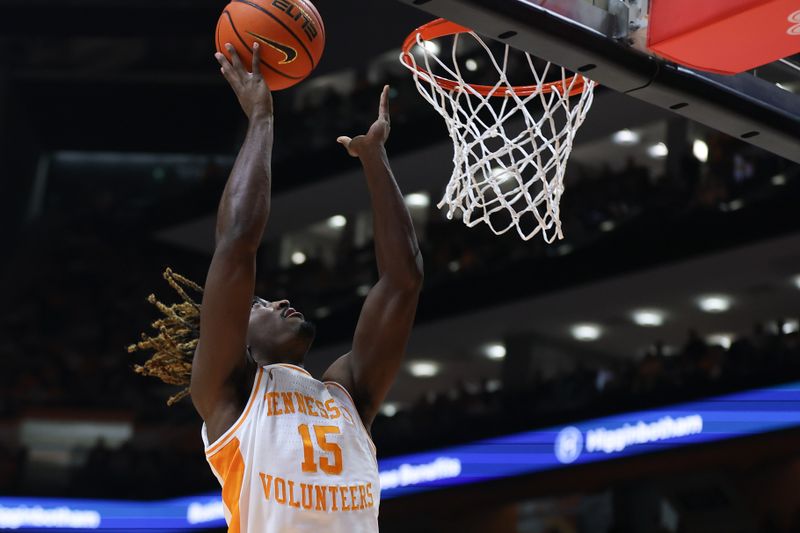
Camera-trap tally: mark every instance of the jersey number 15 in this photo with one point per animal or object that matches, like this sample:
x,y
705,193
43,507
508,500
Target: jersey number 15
x,y
330,464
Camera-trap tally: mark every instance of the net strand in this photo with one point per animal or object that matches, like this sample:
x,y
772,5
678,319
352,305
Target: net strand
x,y
499,174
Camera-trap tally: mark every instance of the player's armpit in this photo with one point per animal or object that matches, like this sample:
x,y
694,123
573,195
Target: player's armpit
x,y
379,345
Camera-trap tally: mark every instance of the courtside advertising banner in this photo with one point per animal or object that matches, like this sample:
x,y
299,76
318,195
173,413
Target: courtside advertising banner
x,y
710,420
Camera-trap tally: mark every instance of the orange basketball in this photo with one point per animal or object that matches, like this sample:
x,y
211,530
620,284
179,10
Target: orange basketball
x,y
290,33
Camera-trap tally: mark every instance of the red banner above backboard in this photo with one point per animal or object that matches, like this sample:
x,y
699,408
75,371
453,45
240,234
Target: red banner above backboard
x,y
724,36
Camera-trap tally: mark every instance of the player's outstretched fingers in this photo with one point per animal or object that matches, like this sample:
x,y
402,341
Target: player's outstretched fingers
x,y
345,141
227,69
383,111
235,61
256,61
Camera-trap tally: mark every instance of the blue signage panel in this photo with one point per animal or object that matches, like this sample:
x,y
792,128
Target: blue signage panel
x,y
710,420
71,514
714,419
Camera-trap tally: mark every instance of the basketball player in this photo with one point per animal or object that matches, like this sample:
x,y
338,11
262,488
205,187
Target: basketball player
x,y
294,453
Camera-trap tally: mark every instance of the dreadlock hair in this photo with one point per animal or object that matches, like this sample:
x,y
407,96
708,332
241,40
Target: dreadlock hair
x,y
178,334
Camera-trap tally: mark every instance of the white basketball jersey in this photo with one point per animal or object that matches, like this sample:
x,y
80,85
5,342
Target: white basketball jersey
x,y
297,460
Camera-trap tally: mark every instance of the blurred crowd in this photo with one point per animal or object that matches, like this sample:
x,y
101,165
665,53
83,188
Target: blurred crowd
x,y
164,460
76,278
598,204
76,281
470,411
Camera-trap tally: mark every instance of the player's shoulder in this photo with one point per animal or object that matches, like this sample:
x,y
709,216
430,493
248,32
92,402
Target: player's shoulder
x,y
232,406
341,373
288,369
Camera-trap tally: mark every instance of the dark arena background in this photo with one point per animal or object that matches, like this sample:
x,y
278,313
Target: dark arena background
x,y
642,375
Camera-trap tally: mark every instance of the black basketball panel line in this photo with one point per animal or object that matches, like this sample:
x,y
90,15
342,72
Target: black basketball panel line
x,y
318,18
276,19
244,42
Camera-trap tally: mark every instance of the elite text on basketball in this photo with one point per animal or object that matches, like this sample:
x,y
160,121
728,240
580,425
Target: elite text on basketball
x,y
296,13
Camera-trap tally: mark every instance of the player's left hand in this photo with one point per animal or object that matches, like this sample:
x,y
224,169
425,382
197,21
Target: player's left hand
x,y
376,136
249,86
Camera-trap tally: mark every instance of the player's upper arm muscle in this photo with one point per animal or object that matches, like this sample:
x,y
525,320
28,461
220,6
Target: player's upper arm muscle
x,y
224,318
380,342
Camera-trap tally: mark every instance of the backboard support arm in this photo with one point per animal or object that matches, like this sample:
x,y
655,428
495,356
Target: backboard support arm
x,y
596,42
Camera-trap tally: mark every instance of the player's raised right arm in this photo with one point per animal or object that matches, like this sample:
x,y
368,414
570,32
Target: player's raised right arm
x,y
229,286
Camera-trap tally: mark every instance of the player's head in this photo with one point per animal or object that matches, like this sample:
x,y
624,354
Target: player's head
x,y
275,335
278,333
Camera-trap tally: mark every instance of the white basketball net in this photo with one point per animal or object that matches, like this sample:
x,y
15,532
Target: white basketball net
x,y
510,152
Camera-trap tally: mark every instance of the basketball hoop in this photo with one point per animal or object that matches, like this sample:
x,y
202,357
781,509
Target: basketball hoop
x,y
500,132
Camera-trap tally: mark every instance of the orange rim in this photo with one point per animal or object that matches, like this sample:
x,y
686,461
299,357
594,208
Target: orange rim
x,y
442,28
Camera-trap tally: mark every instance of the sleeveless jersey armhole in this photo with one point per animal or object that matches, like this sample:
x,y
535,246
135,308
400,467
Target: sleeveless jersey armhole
x,y
355,413
217,445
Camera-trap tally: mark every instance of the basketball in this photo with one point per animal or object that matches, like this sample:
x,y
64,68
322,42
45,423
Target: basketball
x,y
290,32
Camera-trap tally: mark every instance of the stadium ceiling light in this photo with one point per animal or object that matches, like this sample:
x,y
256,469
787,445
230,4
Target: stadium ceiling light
x,y
607,225
423,369
298,258
648,317
390,409
778,180
700,150
715,303
418,199
625,137
667,350
500,174
586,332
495,351
735,205
657,151
796,281
432,47
720,339
337,221
790,326
493,385
363,290
471,65
565,249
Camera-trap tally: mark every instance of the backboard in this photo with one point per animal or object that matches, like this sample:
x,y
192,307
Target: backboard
x,y
605,40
